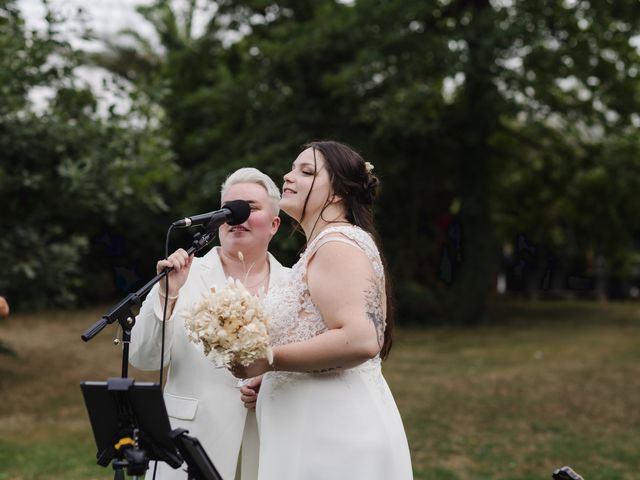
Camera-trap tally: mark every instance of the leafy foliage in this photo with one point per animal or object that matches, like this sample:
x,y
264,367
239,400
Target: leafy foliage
x,y
486,120
66,173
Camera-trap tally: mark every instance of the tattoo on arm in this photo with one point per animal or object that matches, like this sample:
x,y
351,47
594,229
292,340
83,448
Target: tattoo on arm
x,y
373,304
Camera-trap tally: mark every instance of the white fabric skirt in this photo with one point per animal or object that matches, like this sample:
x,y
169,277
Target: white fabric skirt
x,y
338,426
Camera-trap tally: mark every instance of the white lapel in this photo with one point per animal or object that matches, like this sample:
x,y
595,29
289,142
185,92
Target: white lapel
x,y
212,273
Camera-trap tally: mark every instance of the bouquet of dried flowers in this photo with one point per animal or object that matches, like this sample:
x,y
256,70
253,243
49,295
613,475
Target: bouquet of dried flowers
x,y
230,326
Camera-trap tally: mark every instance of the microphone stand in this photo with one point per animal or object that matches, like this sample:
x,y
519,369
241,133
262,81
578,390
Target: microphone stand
x,y
134,459
122,310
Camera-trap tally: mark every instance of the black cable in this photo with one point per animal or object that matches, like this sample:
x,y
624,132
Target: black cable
x,y
164,319
166,303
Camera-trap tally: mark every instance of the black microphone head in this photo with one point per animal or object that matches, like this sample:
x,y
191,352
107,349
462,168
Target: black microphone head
x,y
240,211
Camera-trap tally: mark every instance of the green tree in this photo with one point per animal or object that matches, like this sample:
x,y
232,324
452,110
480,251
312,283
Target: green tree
x,y
66,172
476,113
569,184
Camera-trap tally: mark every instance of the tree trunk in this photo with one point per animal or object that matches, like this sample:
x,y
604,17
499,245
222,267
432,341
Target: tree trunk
x,y
477,118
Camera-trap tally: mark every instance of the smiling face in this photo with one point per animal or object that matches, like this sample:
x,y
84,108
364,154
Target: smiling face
x,y
307,187
262,224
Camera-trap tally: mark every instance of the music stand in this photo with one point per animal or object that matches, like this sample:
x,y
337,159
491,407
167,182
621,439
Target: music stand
x,y
200,466
130,424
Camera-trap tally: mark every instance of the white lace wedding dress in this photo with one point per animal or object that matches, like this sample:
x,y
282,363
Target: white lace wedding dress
x,y
341,425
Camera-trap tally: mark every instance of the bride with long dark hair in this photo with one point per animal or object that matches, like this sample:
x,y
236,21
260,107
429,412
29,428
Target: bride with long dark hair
x,y
324,408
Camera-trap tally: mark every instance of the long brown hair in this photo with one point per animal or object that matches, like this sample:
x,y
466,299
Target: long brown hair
x,y
358,187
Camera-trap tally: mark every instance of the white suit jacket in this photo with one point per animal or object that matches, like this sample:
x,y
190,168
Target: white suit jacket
x,y
200,398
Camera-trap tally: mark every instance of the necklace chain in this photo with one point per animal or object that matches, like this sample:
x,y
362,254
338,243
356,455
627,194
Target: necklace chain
x,y
243,280
261,280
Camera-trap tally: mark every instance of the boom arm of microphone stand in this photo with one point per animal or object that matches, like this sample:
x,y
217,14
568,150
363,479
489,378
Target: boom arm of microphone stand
x,y
122,311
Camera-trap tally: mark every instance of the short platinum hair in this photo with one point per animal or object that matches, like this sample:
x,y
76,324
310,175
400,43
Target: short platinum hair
x,y
253,175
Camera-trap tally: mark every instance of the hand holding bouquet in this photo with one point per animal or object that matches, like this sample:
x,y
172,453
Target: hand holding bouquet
x,y
231,327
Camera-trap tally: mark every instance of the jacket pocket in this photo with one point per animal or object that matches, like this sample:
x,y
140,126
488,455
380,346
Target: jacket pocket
x,y
183,408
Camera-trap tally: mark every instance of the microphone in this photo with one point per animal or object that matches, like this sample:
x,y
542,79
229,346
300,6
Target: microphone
x,y
234,212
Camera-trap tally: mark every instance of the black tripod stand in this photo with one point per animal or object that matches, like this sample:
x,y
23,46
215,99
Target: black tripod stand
x,y
129,421
130,425
199,465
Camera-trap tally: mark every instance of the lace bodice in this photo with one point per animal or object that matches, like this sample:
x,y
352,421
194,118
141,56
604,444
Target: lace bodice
x,y
294,316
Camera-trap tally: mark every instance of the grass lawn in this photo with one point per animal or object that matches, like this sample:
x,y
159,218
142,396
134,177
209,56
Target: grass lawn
x,y
544,385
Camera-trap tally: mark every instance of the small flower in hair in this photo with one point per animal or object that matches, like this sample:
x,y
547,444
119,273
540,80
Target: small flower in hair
x,y
368,167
